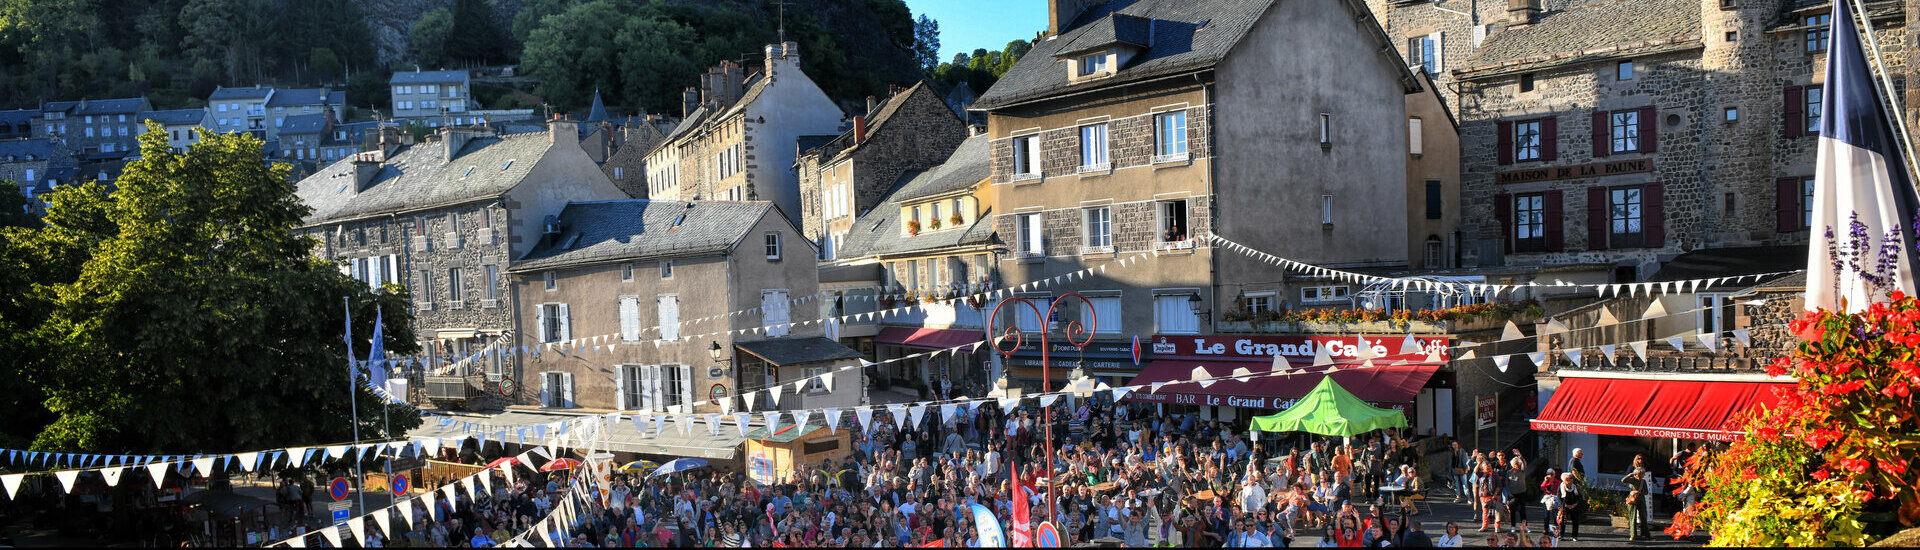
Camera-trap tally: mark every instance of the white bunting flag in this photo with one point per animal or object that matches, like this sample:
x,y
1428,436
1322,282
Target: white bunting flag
x,y
946,414
1538,358
1678,344
1008,403
67,478
741,419
713,424
432,502
12,481
1743,336
1409,346
337,452
1512,332
1320,356
1639,349
1242,374
1155,387
1606,318
359,527
1365,349
1655,310
332,533
112,475
899,414
1709,340
833,420
205,465
773,421
1201,375
919,412
828,380
775,393
1607,352
800,417
1501,361
1573,356
383,518
298,542
1121,392
1048,400
158,471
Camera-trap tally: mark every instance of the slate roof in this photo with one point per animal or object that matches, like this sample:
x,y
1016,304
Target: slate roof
x,y
598,113
878,232
300,97
356,132
427,77
419,177
250,92
1114,29
1589,32
175,117
1186,35
796,351
311,123
59,106
17,150
641,228
882,112
1796,283
112,106
17,116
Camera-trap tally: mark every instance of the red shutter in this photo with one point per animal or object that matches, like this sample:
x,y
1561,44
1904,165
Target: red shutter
x,y
1597,220
1555,222
1506,141
1549,139
1795,117
1653,213
1503,214
1786,205
1601,144
1649,130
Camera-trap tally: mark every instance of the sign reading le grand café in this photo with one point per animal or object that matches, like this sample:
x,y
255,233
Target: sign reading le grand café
x,y
1588,170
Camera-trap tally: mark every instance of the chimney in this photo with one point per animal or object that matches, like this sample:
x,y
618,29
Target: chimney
x,y
457,138
565,132
389,140
1522,12
732,80
689,100
785,55
859,129
365,167
1061,13
871,105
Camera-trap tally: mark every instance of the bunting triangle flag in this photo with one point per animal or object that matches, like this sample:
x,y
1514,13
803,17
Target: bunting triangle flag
x,y
298,541
1205,378
1677,343
507,470
1554,326
1606,317
1408,346
1320,356
332,535
1639,349
800,385
1048,400
67,478
158,471
337,452
1743,336
205,465
1709,340
684,423
946,414
773,421
741,419
1655,310
382,518
1538,358
899,414
919,412
359,527
1607,352
1008,403
12,482
713,424
833,420
112,475
1242,374
1121,392
1573,356
827,380
1512,332
1365,349
865,416
747,400
775,393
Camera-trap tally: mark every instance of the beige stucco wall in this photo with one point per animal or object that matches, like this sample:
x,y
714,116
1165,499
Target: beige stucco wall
x,y
1439,160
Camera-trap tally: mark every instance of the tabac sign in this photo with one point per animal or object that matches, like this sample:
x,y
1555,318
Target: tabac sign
x,y
1577,171
1263,348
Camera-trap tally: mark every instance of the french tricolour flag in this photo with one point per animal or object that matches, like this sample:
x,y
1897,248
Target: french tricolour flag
x,y
1862,195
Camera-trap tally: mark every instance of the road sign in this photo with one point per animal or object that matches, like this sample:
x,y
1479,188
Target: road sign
x,y
342,511
1047,536
400,485
338,488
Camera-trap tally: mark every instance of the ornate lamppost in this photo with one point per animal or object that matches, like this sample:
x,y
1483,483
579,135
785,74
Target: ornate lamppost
x,y
1076,334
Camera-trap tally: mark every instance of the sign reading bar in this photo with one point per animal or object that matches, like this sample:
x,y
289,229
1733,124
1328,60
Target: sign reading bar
x,y
1588,170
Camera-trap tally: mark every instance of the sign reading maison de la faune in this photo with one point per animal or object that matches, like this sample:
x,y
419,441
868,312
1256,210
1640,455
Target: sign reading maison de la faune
x,y
1588,170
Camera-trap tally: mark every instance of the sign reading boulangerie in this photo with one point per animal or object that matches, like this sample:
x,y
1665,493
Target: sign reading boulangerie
x,y
1589,170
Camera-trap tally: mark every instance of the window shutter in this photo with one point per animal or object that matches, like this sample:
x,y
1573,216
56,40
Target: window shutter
x,y
1505,129
1653,210
1602,134
1033,156
566,323
1549,138
566,390
629,318
1597,220
686,387
393,268
1649,130
1503,213
540,320
620,390
1555,222
546,389
1439,54
1786,205
1794,114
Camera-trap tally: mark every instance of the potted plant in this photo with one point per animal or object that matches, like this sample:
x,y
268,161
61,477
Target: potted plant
x,y
956,220
1611,503
934,223
913,227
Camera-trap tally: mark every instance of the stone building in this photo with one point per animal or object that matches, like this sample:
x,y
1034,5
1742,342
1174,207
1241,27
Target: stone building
x,y
292,102
932,237
626,164
17,123
96,130
846,176
25,162
444,218
737,139
183,126
1143,126
627,303
240,110
433,97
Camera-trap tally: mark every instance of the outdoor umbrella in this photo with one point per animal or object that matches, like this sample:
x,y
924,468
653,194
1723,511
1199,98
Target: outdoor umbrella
x,y
680,465
505,460
560,464
1330,409
639,466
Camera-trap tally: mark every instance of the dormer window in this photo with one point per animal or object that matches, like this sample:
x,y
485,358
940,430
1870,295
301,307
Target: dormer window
x,y
1093,64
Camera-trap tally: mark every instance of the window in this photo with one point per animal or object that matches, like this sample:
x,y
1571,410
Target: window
x,y
619,173
1526,140
913,274
669,308
1715,313
493,281
1326,129
774,314
626,272
1733,36
1530,222
632,387
1026,157
554,322
957,212
553,281
630,318
1626,131
556,390
1526,82
1326,209
1093,148
1624,216
1175,315
425,295
1173,221
934,209
1028,323
1105,315
1093,64
1733,114
1435,253
666,269
677,387
1170,136
1421,55
1806,202
1818,27
1414,145
1098,228
1259,302
816,386
455,292
1029,231
1812,95
1623,70
1433,200
1729,205
773,245
1323,294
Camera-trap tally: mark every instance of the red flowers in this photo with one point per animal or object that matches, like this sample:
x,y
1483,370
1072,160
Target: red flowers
x,y
1844,388
1855,465
1897,389
1819,438
1821,474
1779,367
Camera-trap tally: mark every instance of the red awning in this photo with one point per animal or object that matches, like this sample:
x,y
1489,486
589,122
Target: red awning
x,y
1386,386
927,338
1682,409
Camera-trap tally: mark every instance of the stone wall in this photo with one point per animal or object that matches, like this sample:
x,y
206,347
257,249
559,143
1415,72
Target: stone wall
x,y
919,135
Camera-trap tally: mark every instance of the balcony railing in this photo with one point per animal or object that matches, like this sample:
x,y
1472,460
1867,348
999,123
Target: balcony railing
x,y
1670,362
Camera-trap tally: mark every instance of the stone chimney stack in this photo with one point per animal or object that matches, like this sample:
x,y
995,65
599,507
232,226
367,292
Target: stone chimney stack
x,y
689,100
1522,12
871,105
365,167
564,132
1061,13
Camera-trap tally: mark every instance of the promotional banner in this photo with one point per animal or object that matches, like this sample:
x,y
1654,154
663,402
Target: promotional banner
x,y
989,527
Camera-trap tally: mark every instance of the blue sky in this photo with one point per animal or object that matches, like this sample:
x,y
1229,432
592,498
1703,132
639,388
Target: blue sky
x,y
990,24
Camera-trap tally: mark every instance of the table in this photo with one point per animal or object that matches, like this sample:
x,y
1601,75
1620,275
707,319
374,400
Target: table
x,y
1108,486
1203,496
1391,494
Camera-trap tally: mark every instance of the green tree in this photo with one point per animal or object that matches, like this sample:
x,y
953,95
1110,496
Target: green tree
x,y
428,38
196,321
476,38
325,64
926,43
575,52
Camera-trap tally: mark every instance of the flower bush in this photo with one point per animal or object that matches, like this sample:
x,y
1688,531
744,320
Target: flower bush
x,y
1399,317
913,227
1831,465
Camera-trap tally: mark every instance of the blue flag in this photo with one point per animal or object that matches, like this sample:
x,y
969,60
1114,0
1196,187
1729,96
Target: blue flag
x,y
377,356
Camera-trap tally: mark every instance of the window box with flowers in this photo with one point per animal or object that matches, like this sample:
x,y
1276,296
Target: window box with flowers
x,y
933,223
1426,321
955,220
913,227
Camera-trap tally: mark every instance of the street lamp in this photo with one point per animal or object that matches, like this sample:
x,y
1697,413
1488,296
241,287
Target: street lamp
x,y
1076,334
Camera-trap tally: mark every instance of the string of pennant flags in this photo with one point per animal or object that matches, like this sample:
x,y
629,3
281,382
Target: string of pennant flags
x,y
1493,291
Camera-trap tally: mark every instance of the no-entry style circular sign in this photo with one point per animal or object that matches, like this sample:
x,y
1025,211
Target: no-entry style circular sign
x,y
338,488
401,485
1047,536
506,386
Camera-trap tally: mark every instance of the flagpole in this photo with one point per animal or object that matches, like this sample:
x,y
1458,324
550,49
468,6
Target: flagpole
x,y
353,400
1896,115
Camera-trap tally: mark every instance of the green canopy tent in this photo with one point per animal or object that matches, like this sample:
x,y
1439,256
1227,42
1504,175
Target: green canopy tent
x,y
1330,410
